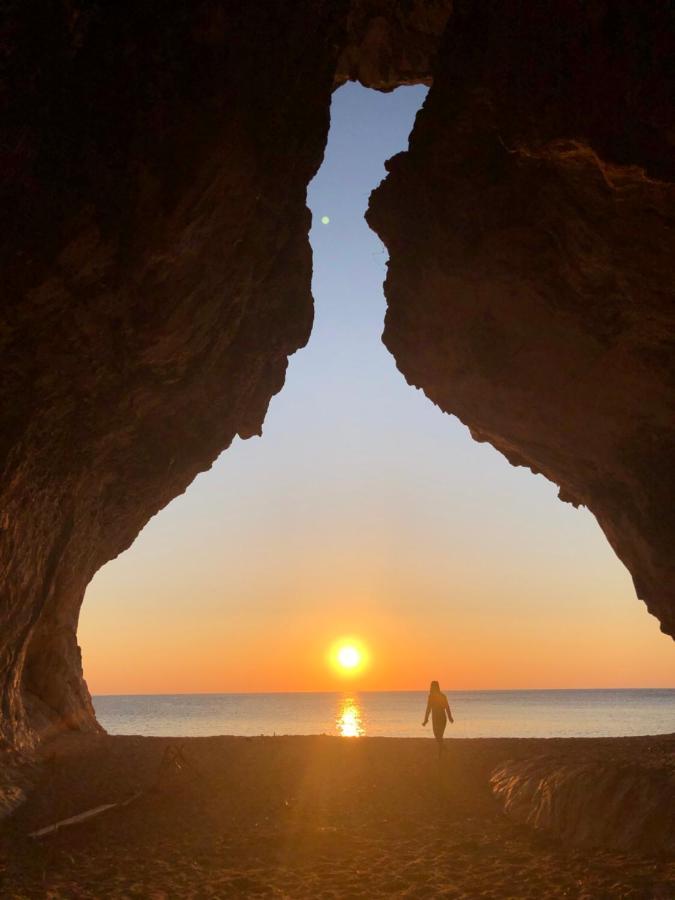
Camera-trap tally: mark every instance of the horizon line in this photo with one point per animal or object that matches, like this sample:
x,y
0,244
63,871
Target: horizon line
x,y
374,691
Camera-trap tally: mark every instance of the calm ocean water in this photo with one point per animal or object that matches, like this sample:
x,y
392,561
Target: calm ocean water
x,y
590,713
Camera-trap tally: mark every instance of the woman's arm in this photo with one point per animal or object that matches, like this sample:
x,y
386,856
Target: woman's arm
x,y
448,710
426,714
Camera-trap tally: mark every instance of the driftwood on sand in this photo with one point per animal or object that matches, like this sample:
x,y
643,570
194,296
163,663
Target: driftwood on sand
x,y
173,759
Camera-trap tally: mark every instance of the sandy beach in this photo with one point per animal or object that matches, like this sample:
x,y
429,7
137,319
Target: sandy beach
x,y
305,817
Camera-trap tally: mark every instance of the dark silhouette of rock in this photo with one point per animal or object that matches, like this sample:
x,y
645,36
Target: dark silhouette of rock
x,y
156,268
156,275
388,44
531,236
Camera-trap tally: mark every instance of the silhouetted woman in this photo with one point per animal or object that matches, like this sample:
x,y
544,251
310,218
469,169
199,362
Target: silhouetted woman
x,y
437,705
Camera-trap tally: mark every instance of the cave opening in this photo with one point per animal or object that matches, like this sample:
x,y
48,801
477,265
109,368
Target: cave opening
x,y
364,509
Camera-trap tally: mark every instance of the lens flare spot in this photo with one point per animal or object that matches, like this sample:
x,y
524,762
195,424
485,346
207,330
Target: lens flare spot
x,y
325,220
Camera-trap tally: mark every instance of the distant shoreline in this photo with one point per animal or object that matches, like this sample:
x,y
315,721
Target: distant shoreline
x,y
426,739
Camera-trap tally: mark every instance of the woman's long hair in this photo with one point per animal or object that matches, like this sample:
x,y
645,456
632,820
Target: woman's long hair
x,y
434,688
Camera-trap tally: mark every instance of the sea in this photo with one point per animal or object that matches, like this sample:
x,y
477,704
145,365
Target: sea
x,y
533,713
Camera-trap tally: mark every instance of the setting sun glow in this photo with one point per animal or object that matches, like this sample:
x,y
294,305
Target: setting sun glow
x,y
348,656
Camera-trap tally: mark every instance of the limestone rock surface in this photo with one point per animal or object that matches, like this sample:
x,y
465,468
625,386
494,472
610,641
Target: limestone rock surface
x,y
156,277
390,44
531,234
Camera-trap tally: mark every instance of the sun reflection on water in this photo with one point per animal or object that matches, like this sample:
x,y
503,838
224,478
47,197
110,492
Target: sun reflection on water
x,y
349,721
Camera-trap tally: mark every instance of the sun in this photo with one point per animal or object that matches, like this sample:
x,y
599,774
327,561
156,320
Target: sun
x,y
348,656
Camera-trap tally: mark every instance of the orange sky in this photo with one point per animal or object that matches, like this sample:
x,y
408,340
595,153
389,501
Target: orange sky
x,y
175,646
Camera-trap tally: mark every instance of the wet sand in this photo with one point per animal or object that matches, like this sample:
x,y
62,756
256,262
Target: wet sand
x,y
302,817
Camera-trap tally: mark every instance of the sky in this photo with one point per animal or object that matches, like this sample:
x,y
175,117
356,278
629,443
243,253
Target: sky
x,y
364,512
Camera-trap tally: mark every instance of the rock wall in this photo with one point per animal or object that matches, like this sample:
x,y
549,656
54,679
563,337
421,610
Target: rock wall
x,y
156,267
388,44
156,275
531,236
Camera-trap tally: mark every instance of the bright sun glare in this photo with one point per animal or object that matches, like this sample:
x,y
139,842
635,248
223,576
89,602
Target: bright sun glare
x,y
348,656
